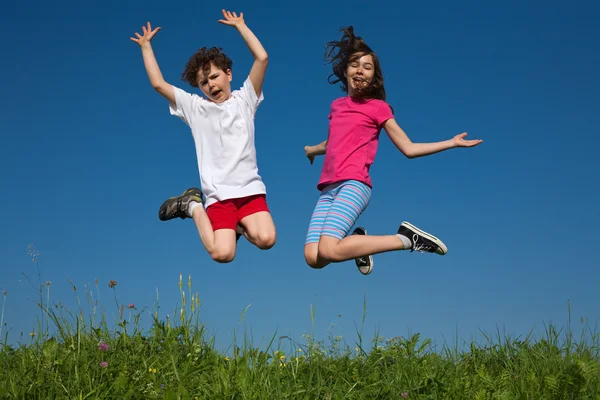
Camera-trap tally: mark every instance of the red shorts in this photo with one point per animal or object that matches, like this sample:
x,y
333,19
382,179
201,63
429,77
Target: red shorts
x,y
228,213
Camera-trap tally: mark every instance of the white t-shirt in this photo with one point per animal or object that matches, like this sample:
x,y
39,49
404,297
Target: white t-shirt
x,y
224,138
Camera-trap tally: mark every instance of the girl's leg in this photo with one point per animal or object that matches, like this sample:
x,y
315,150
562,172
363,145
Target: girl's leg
x,y
348,204
409,237
311,245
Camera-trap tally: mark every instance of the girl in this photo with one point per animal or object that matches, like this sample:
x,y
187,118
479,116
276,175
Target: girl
x,y
355,123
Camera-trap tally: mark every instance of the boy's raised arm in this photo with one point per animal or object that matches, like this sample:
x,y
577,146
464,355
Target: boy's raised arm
x,y
156,79
261,58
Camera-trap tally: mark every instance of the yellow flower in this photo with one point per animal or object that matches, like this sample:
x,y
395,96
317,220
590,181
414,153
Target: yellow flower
x,y
154,371
281,357
299,350
226,358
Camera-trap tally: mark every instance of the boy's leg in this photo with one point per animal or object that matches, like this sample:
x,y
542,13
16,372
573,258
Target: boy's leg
x,y
311,244
216,227
218,243
255,218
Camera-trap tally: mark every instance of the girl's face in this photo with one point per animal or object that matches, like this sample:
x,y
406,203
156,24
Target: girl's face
x,y
359,73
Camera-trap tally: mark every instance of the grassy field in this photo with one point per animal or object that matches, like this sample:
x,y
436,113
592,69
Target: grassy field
x,y
74,356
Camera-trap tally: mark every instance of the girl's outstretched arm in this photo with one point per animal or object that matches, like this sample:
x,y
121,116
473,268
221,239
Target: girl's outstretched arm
x,y
156,79
261,58
317,150
413,150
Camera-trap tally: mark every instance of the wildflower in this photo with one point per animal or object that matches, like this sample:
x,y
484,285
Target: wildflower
x,y
404,395
282,357
103,364
152,370
226,359
299,350
32,333
356,348
131,305
103,346
112,284
48,283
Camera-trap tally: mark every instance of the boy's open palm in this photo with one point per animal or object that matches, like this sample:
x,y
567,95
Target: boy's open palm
x,y
461,142
148,35
232,19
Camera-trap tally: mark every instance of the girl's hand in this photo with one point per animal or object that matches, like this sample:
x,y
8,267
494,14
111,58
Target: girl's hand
x,y
232,19
459,141
309,154
148,35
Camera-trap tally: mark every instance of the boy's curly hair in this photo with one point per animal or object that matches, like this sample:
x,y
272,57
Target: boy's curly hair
x,y
201,60
342,52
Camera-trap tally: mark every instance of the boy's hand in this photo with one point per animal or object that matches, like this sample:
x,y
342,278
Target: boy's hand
x,y
232,19
309,154
148,35
459,141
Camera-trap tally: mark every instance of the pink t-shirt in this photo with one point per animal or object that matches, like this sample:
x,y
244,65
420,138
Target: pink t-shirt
x,y
354,129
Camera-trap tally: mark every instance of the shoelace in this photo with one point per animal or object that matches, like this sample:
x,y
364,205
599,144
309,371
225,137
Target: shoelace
x,y
422,247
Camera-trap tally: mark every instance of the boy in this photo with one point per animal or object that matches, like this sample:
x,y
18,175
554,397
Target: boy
x,y
222,125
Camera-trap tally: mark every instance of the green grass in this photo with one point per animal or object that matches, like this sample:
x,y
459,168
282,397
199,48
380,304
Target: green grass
x,y
74,356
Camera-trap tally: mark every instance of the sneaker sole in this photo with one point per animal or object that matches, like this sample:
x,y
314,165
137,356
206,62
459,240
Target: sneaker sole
x,y
429,236
371,262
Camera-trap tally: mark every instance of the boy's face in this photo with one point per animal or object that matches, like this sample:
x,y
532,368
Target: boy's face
x,y
360,72
215,83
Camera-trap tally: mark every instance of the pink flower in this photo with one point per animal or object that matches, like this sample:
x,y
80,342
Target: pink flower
x,y
103,364
131,305
103,346
404,395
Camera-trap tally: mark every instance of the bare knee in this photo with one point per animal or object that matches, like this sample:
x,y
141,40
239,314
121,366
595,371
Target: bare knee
x,y
328,251
311,256
222,254
266,240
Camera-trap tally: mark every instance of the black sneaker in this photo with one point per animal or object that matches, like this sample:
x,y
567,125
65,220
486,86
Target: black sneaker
x,y
365,263
178,206
421,240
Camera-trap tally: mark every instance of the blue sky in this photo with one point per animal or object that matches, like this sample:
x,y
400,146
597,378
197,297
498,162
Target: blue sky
x,y
89,152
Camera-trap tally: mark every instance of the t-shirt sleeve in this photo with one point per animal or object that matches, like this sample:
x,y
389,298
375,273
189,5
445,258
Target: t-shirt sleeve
x,y
248,94
185,105
384,112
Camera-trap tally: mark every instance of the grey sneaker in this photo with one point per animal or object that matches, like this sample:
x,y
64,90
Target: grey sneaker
x,y
421,240
178,206
365,263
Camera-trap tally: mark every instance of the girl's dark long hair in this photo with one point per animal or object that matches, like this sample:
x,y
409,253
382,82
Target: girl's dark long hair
x,y
342,52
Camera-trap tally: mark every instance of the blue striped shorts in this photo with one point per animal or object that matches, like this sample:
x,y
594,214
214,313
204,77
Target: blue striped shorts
x,y
337,209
